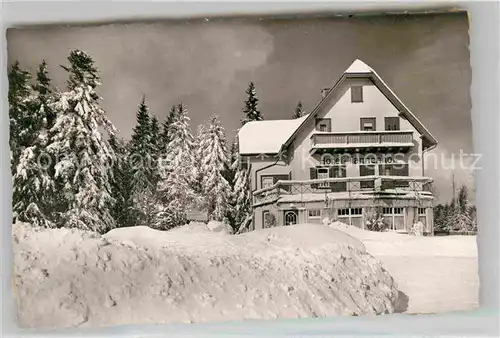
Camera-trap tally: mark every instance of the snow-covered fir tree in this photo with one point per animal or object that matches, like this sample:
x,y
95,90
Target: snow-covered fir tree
x,y
143,156
242,197
21,127
140,149
83,170
298,111
230,176
122,189
33,185
198,157
213,157
164,135
155,146
178,173
251,109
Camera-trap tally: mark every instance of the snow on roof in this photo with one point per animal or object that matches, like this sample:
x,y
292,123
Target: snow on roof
x,y
267,136
359,66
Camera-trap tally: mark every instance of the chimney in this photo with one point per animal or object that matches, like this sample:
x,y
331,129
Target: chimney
x,y
324,91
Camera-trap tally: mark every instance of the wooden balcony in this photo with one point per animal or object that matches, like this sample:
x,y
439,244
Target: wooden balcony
x,y
368,185
362,139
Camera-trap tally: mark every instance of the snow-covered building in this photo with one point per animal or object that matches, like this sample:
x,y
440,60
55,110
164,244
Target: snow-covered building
x,y
358,155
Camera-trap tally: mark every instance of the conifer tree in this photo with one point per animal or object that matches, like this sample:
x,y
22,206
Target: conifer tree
x,y
143,161
178,175
122,190
198,158
213,157
21,128
164,137
140,149
33,188
83,172
44,98
155,149
251,109
299,111
242,196
230,176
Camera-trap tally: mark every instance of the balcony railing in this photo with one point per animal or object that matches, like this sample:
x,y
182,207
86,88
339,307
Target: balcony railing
x,y
363,184
393,138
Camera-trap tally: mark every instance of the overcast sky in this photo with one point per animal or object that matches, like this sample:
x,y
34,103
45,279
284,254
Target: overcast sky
x,y
207,65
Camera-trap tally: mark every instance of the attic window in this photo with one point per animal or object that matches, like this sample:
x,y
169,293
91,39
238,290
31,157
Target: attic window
x,y
356,94
368,123
392,123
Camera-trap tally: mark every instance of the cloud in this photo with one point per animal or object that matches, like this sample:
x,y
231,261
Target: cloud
x,y
169,62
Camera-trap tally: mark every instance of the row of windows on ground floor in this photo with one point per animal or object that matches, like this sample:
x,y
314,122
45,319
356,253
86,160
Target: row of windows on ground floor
x,y
394,216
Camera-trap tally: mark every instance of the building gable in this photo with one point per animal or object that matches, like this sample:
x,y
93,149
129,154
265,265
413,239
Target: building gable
x,y
360,74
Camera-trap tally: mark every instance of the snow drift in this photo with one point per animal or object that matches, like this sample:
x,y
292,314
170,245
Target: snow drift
x,y
67,277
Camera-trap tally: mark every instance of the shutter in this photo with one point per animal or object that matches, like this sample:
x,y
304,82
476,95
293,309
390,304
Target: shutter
x,y
313,174
331,174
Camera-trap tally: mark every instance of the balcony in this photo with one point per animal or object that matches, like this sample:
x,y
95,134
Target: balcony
x,y
395,139
346,188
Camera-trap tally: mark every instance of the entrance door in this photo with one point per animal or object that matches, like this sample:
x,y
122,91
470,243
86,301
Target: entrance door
x,y
290,217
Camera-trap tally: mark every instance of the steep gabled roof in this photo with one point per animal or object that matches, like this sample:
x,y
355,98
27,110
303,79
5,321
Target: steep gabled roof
x,y
359,69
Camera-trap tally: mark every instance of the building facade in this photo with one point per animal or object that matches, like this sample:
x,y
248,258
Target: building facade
x,y
357,156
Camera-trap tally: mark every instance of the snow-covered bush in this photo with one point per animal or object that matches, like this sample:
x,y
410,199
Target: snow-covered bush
x,y
216,226
375,221
269,220
417,229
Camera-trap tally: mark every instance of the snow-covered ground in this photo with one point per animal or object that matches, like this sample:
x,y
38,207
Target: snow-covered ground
x,y
138,275
437,274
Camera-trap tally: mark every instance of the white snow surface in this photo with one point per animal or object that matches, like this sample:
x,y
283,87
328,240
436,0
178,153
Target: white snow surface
x,y
216,226
267,136
435,274
359,66
137,275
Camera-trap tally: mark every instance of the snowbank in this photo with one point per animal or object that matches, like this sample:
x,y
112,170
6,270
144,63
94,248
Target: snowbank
x,y
215,226
140,275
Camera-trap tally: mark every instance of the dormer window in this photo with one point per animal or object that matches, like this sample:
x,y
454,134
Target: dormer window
x,y
356,94
368,124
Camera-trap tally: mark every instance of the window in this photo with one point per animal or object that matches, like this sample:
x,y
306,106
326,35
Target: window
x,y
314,213
323,173
421,211
351,211
392,123
343,212
367,170
324,125
265,219
392,211
356,94
339,171
398,211
387,211
267,182
244,163
400,169
356,211
367,123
